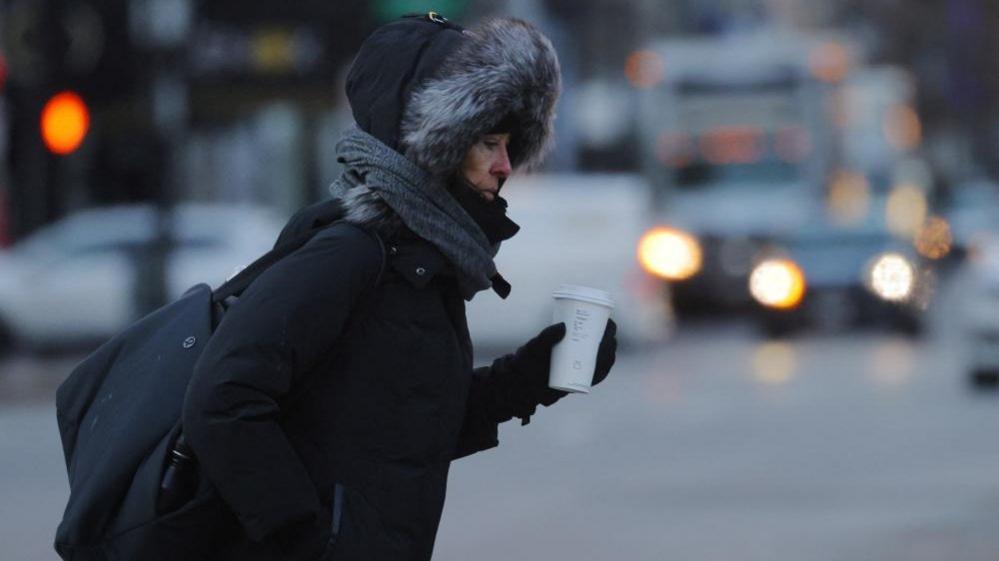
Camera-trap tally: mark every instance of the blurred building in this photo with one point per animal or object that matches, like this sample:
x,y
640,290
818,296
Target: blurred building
x,y
183,98
240,101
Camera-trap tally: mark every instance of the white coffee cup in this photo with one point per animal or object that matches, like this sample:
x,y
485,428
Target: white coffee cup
x,y
585,312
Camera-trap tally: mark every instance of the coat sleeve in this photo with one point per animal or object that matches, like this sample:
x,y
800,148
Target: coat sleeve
x,y
498,393
278,330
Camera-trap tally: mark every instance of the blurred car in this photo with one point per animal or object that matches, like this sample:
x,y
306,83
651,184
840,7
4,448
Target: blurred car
x,y
830,276
981,330
575,229
73,282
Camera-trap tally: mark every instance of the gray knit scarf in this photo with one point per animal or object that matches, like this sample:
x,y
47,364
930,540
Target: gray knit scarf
x,y
423,204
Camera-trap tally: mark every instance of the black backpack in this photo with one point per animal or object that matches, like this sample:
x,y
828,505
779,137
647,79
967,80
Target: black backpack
x,y
119,419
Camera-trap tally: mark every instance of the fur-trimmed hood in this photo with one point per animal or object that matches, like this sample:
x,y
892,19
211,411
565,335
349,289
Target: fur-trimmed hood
x,y
506,68
430,89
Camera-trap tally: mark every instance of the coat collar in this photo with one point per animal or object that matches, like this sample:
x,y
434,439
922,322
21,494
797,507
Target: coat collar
x,y
417,260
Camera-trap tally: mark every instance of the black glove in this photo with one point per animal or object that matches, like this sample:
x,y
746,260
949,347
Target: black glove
x,y
532,363
606,353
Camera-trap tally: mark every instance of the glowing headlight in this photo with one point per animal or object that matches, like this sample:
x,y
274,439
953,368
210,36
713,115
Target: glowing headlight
x,y
892,277
670,254
777,283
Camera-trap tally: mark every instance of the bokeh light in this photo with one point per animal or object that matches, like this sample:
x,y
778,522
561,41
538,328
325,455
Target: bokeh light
x,y
669,253
777,283
732,145
274,51
892,277
934,238
64,123
644,69
774,363
829,62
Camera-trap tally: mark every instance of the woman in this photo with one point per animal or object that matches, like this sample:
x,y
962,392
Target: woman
x,y
328,405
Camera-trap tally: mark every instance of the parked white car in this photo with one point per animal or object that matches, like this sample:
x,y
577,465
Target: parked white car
x,y
580,229
73,282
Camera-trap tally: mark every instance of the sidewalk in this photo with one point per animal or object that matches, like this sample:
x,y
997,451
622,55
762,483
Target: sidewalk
x,y
25,379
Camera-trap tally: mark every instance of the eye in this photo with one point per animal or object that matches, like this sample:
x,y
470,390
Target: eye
x,y
491,143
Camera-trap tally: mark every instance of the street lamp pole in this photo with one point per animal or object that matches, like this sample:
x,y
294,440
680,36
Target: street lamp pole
x,y
161,29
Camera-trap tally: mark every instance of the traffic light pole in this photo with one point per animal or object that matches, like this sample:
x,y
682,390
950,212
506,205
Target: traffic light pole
x,y
167,99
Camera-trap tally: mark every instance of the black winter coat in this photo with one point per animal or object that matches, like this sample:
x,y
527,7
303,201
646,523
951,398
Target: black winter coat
x,y
328,404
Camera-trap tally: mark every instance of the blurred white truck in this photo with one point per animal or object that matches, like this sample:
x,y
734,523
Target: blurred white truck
x,y
737,140
577,229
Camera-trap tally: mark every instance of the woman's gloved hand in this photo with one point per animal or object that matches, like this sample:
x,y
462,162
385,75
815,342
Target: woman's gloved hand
x,y
533,360
518,382
606,353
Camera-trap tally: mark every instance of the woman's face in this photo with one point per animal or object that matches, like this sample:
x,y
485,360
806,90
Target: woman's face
x,y
487,163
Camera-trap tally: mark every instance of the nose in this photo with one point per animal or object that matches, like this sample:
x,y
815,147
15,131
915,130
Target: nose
x,y
501,167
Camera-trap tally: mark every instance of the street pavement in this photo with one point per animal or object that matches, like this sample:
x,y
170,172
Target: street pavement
x,y
722,445
719,445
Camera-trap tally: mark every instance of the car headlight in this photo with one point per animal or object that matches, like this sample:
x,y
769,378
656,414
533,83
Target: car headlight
x,y
777,283
668,253
891,276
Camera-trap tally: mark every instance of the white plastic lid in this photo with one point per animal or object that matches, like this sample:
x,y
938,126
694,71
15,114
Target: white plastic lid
x,y
584,293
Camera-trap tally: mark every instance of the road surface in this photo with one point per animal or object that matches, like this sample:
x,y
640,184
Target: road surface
x,y
719,445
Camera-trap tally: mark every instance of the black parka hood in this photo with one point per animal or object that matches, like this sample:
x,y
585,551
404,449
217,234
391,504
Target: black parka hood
x,y
430,89
392,61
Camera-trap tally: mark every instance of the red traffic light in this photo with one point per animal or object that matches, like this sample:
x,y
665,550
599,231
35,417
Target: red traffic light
x,y
65,122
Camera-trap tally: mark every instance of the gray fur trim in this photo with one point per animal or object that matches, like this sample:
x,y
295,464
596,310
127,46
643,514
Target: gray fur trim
x,y
505,67
363,206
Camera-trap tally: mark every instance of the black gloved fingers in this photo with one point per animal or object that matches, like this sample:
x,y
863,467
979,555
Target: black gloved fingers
x,y
552,334
540,347
610,330
606,353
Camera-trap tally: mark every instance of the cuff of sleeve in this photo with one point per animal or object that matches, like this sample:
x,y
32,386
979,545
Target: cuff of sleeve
x,y
485,436
548,397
